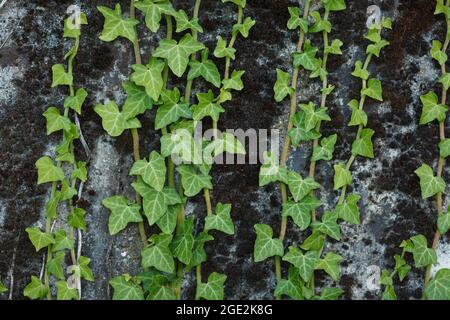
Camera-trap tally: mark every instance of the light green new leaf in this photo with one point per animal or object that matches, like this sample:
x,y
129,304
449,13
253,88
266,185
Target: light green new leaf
x,y
265,245
444,222
39,239
359,116
172,109
334,5
221,220
423,256
125,289
444,148
213,289
429,184
282,87
239,3
149,77
342,176
60,76
349,210
364,146
54,266
122,213
439,286
183,22
153,171
373,90
307,58
62,241
35,289
113,121
76,102
206,69
116,26
178,53
313,115
244,27
47,171
271,171
314,242
335,47
206,107
137,102
2,287
304,262
300,212
71,29
80,172
445,80
76,219
325,150
330,264
85,270
222,50
56,121
158,254
193,182
359,71
296,21
235,82
300,187
376,48
432,110
153,10
320,24
63,292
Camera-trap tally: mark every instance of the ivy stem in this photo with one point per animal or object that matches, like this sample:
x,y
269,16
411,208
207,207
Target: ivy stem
x,y
323,101
287,140
441,161
134,131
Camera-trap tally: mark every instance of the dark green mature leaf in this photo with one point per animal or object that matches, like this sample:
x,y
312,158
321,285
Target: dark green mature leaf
x,y
168,222
329,225
292,287
305,263
331,294
193,182
423,256
313,115
198,252
47,171
183,22
265,245
126,289
213,289
432,110
172,109
430,185
178,53
115,26
158,254
300,212
271,171
137,102
122,213
439,286
150,77
153,171
314,242
183,243
300,187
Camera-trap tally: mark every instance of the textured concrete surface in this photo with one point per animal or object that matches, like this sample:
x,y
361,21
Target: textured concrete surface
x,y
392,210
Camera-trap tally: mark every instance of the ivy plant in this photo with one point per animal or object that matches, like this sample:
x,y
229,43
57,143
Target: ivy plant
x,y
437,286
66,176
163,187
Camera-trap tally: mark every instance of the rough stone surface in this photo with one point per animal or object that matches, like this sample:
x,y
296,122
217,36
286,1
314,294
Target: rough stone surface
x,y
392,210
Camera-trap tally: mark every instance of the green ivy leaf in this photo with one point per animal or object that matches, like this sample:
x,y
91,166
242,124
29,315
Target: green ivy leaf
x,y
226,143
376,48
71,30
292,287
206,69
150,77
122,213
304,262
444,222
193,182
300,187
221,220
313,115
137,102
335,47
183,242
244,27
39,239
239,3
359,116
300,212
314,242
296,21
168,222
320,24
172,109
2,287
158,254
439,286
115,26
429,184
334,5
325,150
67,192
63,292
113,121
265,245
56,121
178,53
445,80
307,59
47,171
76,219
330,264
235,82
329,225
85,270
62,241
222,50
198,251
437,53
213,289
389,293
342,176
153,171
35,289
206,107
125,289
349,210
271,171
54,266
364,146
444,148
60,76
331,294
359,71
80,172
423,256
432,110
183,22
373,90
282,88
76,102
